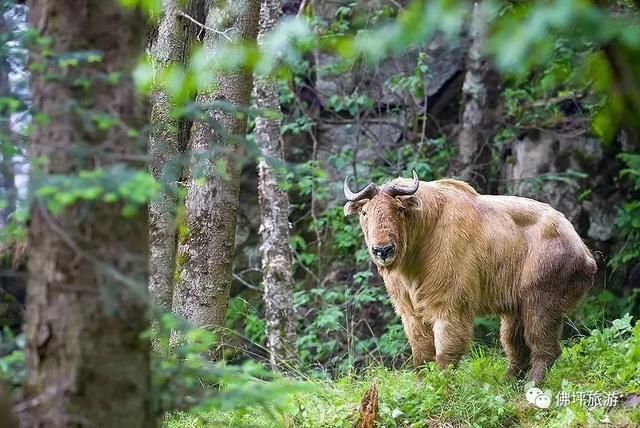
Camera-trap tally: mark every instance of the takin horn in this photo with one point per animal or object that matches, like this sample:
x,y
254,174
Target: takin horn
x,y
397,190
367,193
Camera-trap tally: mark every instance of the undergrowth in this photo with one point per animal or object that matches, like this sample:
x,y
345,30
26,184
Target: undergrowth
x,y
478,393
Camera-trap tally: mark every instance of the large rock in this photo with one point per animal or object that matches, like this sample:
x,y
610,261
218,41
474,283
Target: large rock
x,y
571,173
363,140
394,114
444,59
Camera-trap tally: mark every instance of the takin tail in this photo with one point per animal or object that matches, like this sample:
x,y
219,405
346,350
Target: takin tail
x,y
594,261
590,263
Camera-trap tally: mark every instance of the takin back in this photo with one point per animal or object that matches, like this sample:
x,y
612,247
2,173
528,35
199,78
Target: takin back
x,y
448,254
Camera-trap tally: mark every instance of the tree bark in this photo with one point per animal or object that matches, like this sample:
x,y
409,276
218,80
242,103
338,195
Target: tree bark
x,y
480,96
274,212
87,296
205,253
166,142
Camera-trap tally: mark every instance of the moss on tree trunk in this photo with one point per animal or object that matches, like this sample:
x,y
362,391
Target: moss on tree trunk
x,y
202,291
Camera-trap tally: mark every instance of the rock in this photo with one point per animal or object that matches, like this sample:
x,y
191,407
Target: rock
x,y
550,168
531,174
444,59
366,140
602,217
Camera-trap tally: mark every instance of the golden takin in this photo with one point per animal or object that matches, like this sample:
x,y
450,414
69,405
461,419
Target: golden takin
x,y
448,254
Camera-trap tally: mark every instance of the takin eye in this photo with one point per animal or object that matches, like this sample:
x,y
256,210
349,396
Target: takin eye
x,y
363,212
402,210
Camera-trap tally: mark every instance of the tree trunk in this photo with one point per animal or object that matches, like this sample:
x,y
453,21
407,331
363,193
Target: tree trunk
x,y
87,297
274,212
205,253
165,144
480,97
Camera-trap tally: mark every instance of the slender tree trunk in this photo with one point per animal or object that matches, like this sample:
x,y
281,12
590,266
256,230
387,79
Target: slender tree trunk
x,y
480,96
274,211
205,253
165,145
87,296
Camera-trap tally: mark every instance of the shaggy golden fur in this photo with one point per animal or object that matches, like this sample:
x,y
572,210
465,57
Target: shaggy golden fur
x,y
461,254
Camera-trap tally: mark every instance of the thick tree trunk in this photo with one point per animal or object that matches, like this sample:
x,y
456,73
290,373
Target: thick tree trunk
x,y
165,144
205,253
480,96
87,297
274,211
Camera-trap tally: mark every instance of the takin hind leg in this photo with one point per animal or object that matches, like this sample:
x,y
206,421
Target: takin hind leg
x,y
515,345
420,335
452,339
542,327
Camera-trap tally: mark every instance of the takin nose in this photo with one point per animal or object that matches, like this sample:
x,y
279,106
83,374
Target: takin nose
x,y
384,251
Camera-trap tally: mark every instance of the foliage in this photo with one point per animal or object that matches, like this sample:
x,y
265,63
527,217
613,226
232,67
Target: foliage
x,y
115,184
527,35
551,55
344,319
598,308
628,219
182,375
477,394
550,95
185,378
12,360
243,316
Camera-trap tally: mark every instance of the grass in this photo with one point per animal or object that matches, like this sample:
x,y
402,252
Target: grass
x,y
478,393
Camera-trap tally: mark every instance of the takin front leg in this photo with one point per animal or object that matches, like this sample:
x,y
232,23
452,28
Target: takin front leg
x,y
420,337
515,345
452,339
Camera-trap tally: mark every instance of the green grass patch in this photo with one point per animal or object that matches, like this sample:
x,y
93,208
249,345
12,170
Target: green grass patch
x,y
478,393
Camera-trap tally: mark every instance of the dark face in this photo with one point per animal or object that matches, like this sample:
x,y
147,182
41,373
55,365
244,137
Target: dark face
x,y
384,220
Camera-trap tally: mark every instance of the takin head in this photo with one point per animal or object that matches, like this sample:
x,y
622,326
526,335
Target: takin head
x,y
385,217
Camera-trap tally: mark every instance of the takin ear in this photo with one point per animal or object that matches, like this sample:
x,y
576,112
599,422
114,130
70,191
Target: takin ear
x,y
353,207
411,202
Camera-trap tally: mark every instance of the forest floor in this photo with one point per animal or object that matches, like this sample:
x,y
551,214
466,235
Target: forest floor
x,y
595,382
